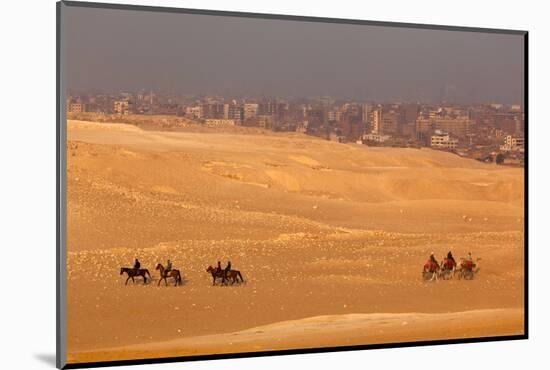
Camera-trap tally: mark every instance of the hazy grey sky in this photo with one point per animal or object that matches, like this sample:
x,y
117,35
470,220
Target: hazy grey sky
x,y
127,50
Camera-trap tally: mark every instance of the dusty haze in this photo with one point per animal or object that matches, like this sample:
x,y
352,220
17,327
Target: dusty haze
x,y
201,54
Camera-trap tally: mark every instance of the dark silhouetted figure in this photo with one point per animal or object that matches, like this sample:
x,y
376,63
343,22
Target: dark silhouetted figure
x,y
450,257
227,269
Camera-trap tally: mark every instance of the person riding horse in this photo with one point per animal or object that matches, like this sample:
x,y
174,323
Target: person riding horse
x,y
137,265
227,269
219,268
168,267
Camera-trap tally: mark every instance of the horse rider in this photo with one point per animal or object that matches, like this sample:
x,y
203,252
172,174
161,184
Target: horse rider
x,y
137,265
469,257
227,269
168,267
219,268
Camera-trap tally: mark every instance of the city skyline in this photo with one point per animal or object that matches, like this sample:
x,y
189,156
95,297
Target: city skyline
x,y
217,55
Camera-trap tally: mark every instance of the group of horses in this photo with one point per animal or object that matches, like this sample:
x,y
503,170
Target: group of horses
x,y
225,276
448,269
231,276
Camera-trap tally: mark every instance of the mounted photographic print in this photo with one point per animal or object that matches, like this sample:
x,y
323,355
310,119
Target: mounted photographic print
x,y
237,184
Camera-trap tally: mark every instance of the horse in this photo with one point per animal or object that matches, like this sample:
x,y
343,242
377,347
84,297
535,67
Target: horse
x,y
135,272
234,276
216,274
172,273
430,270
447,268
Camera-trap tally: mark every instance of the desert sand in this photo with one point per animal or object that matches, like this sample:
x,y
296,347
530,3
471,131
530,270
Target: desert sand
x,y
330,239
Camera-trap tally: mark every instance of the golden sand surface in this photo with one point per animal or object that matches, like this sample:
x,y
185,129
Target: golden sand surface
x,y
325,234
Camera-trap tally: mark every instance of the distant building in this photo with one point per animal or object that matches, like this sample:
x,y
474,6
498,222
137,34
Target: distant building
x,y
365,108
377,121
234,112
75,106
265,121
216,122
121,107
212,111
457,126
389,124
250,110
376,138
194,112
513,144
442,140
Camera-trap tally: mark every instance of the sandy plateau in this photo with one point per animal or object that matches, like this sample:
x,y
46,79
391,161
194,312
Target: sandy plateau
x,y
330,239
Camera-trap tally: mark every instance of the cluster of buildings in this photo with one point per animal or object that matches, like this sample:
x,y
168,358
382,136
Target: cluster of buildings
x,y
480,131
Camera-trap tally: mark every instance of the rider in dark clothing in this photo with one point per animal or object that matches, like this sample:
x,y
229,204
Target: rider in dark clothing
x,y
450,257
432,258
226,270
137,265
219,268
168,267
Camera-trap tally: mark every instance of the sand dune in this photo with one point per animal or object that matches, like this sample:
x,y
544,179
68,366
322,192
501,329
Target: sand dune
x,y
317,228
328,331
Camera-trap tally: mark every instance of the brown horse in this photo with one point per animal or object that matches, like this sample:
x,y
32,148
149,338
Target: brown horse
x,y
135,272
216,274
172,273
232,275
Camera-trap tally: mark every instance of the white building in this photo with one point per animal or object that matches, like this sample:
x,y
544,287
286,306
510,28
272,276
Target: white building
x,y
220,122
250,110
194,112
376,137
442,140
377,122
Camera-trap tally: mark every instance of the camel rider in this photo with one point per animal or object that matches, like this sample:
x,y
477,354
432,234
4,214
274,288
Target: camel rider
x,y
469,262
168,267
450,257
432,258
431,263
137,265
